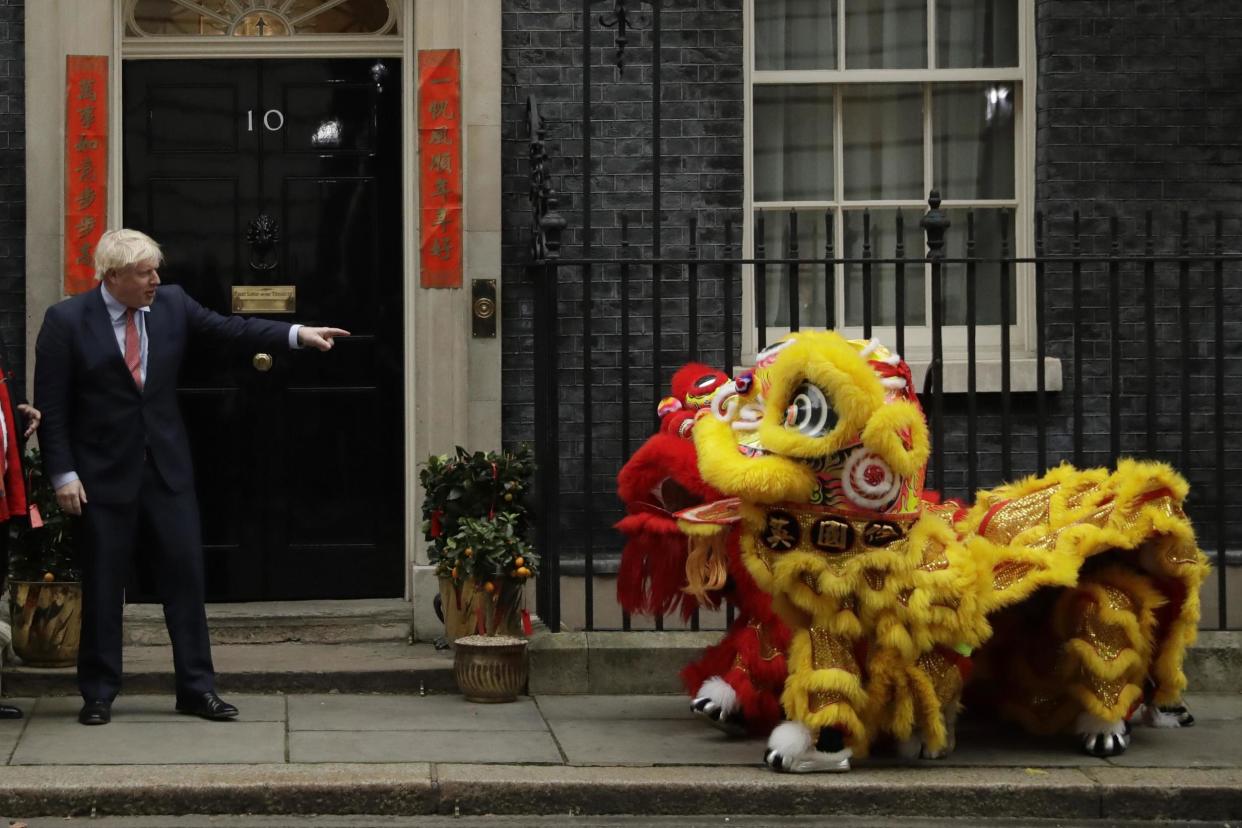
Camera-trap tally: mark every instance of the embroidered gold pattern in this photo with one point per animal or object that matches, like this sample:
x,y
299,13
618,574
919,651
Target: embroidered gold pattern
x,y
1007,573
739,664
830,651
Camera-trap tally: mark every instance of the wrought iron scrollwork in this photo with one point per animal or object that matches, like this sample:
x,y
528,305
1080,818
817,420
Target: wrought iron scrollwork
x,y
621,21
546,223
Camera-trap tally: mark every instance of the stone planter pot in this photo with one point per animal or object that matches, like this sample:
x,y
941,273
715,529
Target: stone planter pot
x,y
490,669
47,621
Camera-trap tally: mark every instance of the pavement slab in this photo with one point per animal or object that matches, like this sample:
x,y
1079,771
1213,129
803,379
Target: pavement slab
x,y
367,712
484,747
642,742
161,709
1169,793
65,742
621,708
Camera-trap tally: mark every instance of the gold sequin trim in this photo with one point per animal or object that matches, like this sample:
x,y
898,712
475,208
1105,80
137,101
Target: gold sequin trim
x,y
1108,692
1018,515
1108,640
1179,554
739,664
904,596
1117,598
1007,573
849,602
830,651
934,557
875,578
810,580
948,603
944,675
766,649
817,700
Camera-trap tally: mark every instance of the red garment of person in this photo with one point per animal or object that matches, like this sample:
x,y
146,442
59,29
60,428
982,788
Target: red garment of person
x,y
12,487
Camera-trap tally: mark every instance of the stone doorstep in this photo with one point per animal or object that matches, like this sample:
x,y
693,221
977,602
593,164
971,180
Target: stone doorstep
x,y
274,622
419,788
599,663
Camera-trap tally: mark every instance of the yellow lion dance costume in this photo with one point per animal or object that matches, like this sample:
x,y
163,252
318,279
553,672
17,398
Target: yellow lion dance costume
x,y
1067,600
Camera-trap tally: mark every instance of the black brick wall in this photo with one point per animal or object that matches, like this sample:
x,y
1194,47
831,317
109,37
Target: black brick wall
x,y
1139,107
12,191
701,177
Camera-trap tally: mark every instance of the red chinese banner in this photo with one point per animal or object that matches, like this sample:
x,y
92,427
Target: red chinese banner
x,y
86,166
439,159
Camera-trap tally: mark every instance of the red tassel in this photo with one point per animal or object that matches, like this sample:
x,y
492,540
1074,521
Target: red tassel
x,y
436,530
526,627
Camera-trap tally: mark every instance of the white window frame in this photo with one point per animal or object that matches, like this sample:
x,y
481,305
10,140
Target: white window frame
x,y
918,337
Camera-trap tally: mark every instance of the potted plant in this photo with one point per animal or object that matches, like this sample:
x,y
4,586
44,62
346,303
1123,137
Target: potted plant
x,y
476,520
45,590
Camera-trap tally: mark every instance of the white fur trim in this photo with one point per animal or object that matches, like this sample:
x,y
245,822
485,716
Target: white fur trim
x,y
790,739
719,691
871,348
1153,716
1088,724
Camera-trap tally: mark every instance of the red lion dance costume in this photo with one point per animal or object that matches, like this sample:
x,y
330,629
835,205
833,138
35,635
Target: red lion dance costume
x,y
736,685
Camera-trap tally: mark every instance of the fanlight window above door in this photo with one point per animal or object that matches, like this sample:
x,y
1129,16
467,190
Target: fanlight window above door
x,y
259,18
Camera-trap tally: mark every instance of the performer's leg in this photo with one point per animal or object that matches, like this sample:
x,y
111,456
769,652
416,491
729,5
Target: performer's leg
x,y
180,580
1107,623
107,539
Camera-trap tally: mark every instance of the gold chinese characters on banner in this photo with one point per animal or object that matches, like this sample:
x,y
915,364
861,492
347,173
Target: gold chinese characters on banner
x,y
439,153
86,166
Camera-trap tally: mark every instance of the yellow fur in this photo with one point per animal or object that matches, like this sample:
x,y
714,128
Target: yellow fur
x,y
939,585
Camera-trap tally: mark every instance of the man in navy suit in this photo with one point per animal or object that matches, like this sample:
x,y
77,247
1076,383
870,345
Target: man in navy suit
x,y
116,450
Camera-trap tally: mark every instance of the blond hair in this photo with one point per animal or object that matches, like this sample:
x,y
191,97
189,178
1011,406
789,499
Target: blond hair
x,y
118,249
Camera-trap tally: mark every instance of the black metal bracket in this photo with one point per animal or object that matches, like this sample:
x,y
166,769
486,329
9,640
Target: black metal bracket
x,y
620,20
263,234
547,223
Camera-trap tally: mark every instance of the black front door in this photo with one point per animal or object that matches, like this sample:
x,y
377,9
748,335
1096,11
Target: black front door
x,y
283,173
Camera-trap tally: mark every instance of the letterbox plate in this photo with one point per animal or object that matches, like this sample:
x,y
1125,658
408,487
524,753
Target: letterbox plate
x,y
265,299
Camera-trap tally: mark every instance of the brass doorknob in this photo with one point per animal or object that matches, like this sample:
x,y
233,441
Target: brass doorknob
x,y
262,362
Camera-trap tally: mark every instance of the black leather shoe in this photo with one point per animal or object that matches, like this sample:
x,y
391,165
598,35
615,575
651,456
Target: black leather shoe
x,y
97,712
8,711
207,706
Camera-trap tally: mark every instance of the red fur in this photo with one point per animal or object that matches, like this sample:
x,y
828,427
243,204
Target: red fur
x,y
758,681
653,562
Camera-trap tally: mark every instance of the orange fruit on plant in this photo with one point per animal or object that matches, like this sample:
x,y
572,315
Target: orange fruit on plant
x,y
489,587
519,560
49,577
523,572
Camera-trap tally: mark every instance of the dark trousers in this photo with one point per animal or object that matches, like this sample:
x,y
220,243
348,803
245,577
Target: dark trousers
x,y
110,533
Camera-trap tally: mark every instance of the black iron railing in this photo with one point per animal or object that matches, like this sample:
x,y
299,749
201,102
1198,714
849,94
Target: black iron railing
x,y
1159,337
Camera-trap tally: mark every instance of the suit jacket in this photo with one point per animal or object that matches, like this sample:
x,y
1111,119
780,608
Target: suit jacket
x,y
96,421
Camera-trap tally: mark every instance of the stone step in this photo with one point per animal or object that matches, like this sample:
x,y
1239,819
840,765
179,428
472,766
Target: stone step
x,y
274,622
365,667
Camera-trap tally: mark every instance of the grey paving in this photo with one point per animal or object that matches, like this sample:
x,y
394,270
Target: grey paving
x,y
638,742
472,746
161,708
52,741
364,713
411,754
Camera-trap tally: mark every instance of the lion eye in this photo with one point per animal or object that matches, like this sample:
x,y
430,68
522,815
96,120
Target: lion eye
x,y
809,412
705,381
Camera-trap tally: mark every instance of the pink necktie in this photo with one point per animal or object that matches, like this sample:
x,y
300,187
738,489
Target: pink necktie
x,y
133,354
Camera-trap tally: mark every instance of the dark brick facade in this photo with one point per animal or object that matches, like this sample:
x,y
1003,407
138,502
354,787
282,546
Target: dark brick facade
x,y
13,191
1138,107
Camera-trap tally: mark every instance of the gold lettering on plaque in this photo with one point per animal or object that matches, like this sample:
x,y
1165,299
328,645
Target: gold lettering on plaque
x,y
265,299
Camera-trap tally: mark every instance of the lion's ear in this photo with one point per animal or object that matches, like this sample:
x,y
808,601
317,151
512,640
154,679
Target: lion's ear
x,y
898,433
